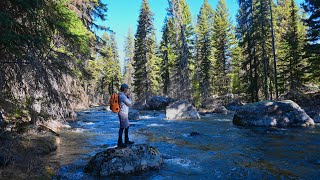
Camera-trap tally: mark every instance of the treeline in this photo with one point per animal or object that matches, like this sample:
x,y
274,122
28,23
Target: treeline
x,y
51,60
273,49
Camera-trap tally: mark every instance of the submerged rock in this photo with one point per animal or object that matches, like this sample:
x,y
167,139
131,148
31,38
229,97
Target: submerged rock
x,y
194,134
272,113
124,161
316,119
159,102
181,110
134,114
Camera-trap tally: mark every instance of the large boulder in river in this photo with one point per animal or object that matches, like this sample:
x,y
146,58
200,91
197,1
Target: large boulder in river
x,y
181,110
272,113
134,114
159,102
124,161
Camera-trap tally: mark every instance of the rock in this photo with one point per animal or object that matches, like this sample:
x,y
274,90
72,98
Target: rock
x,y
159,102
36,106
4,161
140,105
234,108
221,110
292,95
272,113
230,101
181,110
134,114
45,128
107,108
316,119
2,122
54,125
133,159
311,104
194,134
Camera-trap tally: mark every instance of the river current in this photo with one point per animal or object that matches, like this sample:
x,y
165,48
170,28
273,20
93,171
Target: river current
x,y
220,151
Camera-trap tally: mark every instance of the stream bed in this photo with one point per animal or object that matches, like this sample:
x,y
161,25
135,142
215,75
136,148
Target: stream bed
x,y
220,151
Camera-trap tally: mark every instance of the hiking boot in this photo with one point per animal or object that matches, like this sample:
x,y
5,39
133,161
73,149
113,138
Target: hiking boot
x,y
129,142
121,145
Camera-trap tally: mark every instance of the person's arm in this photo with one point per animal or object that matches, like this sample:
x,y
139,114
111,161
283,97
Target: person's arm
x,y
127,101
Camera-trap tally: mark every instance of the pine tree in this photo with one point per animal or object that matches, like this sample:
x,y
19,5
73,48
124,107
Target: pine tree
x,y
255,33
263,37
183,34
145,61
109,74
246,36
223,37
165,49
312,7
291,34
115,62
235,62
204,50
153,66
128,61
168,57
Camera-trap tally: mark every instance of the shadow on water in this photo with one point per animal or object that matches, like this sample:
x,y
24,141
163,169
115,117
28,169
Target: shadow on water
x,y
220,151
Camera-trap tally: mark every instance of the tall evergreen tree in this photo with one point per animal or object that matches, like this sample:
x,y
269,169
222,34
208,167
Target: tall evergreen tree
x,y
291,34
312,7
183,34
235,63
204,50
166,58
262,31
115,62
255,34
153,65
128,61
144,55
246,36
108,59
223,38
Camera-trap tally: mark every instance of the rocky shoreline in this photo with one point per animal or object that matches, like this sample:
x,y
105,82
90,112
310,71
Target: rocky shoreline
x,y
22,156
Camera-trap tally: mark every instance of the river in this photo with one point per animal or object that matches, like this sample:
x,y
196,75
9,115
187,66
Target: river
x,y
221,151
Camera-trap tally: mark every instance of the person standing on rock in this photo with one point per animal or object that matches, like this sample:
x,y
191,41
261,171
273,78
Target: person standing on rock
x,y
124,102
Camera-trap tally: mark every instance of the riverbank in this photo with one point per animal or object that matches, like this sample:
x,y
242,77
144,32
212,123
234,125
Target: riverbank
x,y
22,156
25,148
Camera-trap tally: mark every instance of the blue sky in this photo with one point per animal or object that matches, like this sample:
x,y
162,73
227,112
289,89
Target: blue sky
x,y
123,14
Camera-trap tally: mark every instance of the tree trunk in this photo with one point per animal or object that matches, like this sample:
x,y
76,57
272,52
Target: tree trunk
x,y
274,53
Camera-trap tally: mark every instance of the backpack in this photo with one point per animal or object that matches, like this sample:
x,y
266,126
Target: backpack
x,y
114,103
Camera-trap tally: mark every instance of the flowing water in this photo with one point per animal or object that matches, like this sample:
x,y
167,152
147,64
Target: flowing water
x,y
221,151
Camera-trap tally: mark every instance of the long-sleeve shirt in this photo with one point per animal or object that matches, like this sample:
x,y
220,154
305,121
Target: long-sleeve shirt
x,y
125,102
